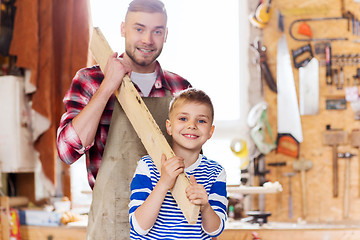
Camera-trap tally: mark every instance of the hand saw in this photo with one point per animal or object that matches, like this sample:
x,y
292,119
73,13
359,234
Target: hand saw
x,y
288,122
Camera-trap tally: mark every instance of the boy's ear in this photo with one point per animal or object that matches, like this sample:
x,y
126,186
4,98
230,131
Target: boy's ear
x,y
168,126
212,131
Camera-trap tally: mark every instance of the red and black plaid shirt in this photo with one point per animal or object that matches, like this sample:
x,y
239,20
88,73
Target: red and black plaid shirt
x,y
83,87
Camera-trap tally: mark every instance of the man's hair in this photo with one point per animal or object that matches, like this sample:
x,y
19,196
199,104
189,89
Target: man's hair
x,y
192,95
148,6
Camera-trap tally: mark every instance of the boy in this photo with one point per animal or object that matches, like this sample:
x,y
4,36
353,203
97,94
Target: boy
x,y
153,212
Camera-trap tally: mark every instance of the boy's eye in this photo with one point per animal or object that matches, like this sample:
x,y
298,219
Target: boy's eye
x,y
202,121
182,119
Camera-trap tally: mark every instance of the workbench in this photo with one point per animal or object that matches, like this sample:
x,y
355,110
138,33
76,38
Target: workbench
x,y
291,230
54,233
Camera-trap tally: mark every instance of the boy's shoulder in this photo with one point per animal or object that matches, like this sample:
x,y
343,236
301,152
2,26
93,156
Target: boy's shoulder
x,y
211,163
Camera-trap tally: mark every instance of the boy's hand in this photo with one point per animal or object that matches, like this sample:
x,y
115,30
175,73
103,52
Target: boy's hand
x,y
196,193
170,169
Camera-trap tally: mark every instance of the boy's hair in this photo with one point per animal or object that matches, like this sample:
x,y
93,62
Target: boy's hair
x,y
148,6
192,95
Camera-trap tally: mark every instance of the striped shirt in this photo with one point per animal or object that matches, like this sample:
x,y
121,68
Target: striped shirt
x,y
171,223
83,87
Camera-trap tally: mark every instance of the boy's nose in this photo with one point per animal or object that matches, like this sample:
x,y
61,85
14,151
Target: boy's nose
x,y
191,125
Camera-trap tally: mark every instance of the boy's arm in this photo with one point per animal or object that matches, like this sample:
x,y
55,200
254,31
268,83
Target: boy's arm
x,y
213,207
146,214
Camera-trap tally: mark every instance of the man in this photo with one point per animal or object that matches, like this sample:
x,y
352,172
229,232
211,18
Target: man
x,y
90,106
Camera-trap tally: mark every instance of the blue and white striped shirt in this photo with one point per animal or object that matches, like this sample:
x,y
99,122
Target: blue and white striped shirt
x,y
171,223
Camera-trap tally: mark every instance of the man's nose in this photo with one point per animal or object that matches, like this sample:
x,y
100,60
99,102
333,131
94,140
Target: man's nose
x,y
147,38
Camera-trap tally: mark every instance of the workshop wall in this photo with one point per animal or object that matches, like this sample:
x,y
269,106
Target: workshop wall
x,y
322,206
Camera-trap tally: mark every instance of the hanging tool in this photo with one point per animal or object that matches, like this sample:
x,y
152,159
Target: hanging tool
x,y
290,210
334,138
357,77
239,148
347,156
260,127
288,116
316,39
265,70
303,165
278,166
299,53
305,29
341,83
262,14
336,79
355,142
309,88
289,123
328,65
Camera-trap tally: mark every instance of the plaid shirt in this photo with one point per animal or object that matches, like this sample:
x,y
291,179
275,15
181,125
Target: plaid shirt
x,y
84,85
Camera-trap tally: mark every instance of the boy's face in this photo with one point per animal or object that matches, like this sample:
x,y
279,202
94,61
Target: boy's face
x,y
145,34
190,125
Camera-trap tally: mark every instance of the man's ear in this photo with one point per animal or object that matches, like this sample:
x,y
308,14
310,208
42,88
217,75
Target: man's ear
x,y
168,126
166,34
122,29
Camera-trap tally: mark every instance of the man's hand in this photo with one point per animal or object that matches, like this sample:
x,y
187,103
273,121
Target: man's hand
x,y
114,72
197,194
170,170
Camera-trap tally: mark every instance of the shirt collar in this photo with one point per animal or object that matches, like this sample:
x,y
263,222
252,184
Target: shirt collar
x,y
160,81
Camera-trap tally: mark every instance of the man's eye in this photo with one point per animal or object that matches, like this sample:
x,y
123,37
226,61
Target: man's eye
x,y
138,29
158,32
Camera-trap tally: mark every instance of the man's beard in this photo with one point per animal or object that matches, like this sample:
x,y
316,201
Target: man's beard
x,y
144,62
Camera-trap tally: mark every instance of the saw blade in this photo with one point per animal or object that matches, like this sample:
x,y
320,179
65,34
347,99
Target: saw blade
x,y
287,105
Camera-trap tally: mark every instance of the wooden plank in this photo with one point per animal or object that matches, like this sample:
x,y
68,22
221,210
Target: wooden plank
x,y
145,126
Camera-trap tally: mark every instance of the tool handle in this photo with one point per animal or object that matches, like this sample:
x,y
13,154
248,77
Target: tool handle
x,y
268,77
290,213
303,197
359,172
335,172
347,188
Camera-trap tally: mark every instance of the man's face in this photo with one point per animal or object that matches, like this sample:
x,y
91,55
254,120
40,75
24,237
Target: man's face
x,y
145,34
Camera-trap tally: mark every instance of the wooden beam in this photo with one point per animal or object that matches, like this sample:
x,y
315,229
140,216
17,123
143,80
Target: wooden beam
x,y
145,126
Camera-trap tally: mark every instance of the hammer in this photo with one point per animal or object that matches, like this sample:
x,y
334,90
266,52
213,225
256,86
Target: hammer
x,y
290,175
347,156
303,165
334,138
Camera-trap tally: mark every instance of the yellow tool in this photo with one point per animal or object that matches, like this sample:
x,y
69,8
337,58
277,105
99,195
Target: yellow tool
x,y
262,15
239,148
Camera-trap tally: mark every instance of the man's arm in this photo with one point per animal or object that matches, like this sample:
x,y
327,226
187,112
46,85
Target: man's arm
x,y
85,104
87,121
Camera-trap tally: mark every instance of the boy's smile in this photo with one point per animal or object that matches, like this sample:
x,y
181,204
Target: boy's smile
x,y
190,126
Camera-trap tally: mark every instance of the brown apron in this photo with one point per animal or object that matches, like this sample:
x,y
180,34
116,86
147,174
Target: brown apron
x,y
109,211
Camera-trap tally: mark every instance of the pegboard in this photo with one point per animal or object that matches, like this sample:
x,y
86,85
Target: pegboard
x,y
322,206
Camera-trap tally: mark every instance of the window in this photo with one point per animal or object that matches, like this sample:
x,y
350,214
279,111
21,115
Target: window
x,y
207,44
